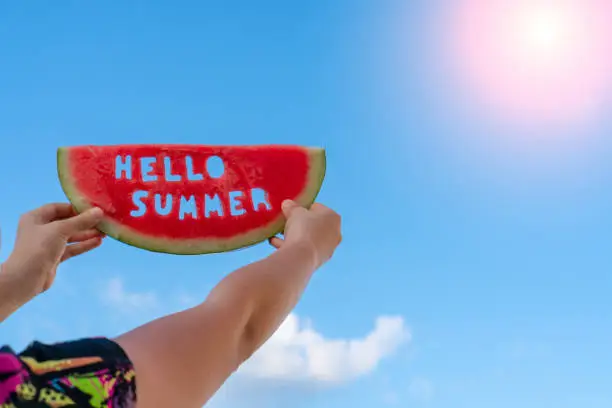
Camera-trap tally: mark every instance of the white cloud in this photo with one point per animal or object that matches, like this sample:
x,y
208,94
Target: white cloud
x,y
116,295
421,389
296,352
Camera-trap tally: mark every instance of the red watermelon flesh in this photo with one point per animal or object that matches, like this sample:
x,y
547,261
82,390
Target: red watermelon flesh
x,y
167,198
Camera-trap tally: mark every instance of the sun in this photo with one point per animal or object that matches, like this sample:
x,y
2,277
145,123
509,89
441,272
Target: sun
x,y
546,30
540,59
545,33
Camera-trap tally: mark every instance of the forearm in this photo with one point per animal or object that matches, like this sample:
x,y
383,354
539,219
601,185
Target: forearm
x,y
13,293
263,293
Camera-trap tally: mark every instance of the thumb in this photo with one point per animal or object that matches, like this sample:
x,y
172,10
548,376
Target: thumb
x,y
288,207
82,222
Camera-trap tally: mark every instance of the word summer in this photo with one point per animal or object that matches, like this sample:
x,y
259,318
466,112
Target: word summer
x,y
186,205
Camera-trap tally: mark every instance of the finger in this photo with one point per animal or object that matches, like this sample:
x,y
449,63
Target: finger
x,y
288,207
80,248
85,235
318,207
276,242
52,212
82,222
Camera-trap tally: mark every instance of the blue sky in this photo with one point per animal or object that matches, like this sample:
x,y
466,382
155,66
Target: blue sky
x,y
487,239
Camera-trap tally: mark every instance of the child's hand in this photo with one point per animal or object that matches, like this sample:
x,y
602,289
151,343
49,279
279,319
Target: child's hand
x,y
48,236
318,227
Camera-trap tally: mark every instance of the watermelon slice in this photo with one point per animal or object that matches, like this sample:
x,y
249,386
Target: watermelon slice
x,y
172,199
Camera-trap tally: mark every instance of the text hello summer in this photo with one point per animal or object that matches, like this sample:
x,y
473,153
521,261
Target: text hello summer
x,y
189,206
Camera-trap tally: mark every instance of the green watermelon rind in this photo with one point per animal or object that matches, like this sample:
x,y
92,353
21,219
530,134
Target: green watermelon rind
x,y
129,236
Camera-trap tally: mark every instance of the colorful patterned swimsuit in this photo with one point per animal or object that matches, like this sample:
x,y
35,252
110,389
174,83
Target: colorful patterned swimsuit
x,y
84,373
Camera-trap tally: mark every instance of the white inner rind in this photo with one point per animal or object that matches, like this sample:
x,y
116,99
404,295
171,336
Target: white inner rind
x,y
130,236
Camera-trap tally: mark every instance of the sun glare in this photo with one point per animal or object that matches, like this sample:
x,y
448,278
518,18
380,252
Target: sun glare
x,y
546,30
540,59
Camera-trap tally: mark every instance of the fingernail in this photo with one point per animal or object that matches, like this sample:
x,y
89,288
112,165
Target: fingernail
x,y
287,203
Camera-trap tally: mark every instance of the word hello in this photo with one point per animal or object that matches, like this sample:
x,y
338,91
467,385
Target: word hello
x,y
195,206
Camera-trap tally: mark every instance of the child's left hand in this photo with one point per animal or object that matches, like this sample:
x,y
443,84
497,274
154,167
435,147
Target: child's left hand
x,y
48,236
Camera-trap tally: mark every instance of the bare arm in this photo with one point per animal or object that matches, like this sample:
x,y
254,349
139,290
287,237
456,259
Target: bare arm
x,y
264,293
13,294
184,358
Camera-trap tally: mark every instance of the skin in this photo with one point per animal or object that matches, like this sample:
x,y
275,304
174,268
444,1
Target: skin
x,y
182,359
46,237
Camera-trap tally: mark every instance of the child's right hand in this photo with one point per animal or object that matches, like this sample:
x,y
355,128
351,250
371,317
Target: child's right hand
x,y
318,227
